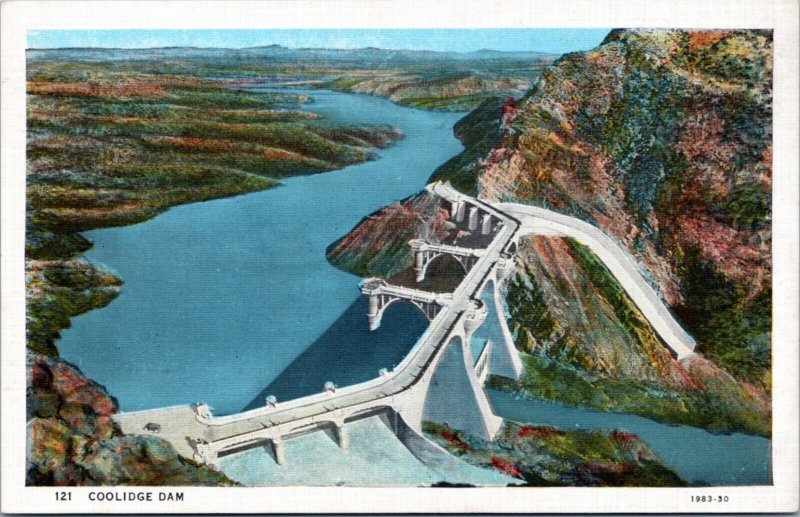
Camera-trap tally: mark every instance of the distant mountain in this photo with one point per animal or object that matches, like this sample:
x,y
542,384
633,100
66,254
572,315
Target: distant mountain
x,y
424,79
370,57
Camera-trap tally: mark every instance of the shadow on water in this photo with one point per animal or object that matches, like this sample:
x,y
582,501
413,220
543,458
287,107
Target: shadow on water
x,y
348,353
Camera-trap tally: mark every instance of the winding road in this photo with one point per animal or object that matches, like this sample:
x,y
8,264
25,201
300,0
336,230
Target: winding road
x,y
539,221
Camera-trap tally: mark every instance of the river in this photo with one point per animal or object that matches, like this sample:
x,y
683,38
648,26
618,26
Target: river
x,y
230,300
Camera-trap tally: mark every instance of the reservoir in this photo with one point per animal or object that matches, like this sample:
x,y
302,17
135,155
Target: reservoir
x,y
221,297
231,300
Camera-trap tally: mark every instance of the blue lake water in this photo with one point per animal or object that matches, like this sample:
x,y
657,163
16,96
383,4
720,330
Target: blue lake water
x,y
228,301
696,455
221,297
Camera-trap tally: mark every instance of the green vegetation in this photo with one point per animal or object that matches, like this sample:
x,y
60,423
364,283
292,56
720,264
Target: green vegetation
x,y
118,150
734,331
545,456
611,291
530,319
59,291
41,244
722,407
749,206
564,302
455,103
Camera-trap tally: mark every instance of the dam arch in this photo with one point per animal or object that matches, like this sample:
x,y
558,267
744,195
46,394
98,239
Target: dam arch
x,y
453,274
454,395
504,359
421,309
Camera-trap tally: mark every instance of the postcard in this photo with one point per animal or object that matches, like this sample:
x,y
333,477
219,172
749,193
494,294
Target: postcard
x,y
326,257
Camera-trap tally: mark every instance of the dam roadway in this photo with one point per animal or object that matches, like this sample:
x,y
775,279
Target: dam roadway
x,y
197,434
457,395
539,221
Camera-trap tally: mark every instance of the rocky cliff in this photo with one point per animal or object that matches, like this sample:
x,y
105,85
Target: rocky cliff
x,y
379,244
72,439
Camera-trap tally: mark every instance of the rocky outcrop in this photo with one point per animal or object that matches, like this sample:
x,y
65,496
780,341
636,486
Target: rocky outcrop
x,y
545,456
663,140
59,289
378,245
73,440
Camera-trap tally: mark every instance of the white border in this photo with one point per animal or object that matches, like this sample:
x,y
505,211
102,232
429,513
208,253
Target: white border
x,y
781,15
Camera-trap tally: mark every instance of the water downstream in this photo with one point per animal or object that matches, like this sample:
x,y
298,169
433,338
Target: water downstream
x,y
230,300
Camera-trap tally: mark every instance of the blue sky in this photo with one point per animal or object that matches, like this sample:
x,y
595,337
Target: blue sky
x,y
459,40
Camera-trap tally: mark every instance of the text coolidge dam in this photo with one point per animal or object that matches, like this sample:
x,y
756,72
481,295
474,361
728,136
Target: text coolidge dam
x,y
439,380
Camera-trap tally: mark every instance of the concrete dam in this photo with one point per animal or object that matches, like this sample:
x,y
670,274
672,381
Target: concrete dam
x,y
439,380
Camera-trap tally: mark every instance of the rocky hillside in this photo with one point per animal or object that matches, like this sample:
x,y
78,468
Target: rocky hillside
x,y
661,139
545,456
453,92
585,343
480,132
378,246
72,439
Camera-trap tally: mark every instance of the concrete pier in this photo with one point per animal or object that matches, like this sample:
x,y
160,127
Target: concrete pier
x,y
473,219
341,434
279,450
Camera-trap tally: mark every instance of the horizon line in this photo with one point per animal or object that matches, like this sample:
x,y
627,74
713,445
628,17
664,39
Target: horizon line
x,y
164,47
